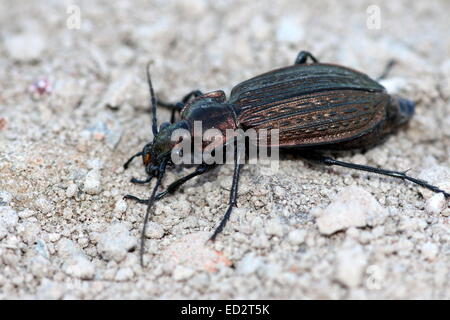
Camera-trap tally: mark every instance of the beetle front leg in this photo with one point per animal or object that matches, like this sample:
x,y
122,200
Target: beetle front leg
x,y
303,56
174,186
395,174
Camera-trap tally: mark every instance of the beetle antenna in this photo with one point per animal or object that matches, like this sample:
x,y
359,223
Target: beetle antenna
x,y
161,173
153,101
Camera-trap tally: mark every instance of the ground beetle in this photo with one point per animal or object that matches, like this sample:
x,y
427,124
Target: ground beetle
x,y
315,106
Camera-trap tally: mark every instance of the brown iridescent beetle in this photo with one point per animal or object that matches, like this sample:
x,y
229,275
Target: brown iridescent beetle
x,y
315,106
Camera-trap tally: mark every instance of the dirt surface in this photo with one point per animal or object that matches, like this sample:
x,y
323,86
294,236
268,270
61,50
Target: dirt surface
x,y
303,232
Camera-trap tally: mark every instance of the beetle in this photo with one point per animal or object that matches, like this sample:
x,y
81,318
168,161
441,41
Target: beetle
x,y
315,106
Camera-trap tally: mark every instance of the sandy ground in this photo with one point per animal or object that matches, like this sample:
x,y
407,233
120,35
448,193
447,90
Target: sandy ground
x,y
302,232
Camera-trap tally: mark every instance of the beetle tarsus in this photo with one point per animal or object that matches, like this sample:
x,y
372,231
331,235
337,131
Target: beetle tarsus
x,y
137,181
139,200
387,69
395,174
126,164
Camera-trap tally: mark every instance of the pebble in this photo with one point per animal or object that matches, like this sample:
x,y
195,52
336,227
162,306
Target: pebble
x,y
115,242
274,227
8,217
5,198
154,230
429,251
71,190
25,47
118,91
124,274
80,267
249,264
192,251
120,206
27,213
297,237
182,273
436,204
351,263
92,184
43,205
353,207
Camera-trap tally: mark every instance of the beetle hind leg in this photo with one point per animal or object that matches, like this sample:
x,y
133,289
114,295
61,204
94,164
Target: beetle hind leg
x,y
303,56
395,174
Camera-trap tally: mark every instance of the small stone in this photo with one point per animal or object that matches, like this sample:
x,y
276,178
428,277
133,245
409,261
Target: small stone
x,y
351,262
43,205
25,47
436,204
154,230
118,91
8,217
115,242
5,198
67,248
192,251
429,251
92,184
297,237
121,206
79,266
249,264
353,207
71,190
182,273
274,227
27,213
124,274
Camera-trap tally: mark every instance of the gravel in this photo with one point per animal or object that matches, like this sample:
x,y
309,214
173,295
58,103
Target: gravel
x,y
74,107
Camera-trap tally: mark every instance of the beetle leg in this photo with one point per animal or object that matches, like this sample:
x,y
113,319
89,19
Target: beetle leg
x,y
137,181
396,174
303,56
233,196
125,166
139,200
201,169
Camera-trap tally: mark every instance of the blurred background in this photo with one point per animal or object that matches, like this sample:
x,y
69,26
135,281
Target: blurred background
x,y
74,107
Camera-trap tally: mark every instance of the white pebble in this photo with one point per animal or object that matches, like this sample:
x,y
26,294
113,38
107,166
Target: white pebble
x,y
25,47
5,198
115,242
121,206
436,204
80,267
353,207
154,230
92,183
27,213
351,263
274,227
297,237
182,273
71,190
8,217
43,205
249,264
429,250
124,274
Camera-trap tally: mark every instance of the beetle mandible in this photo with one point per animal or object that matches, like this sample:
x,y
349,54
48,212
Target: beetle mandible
x,y
315,106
